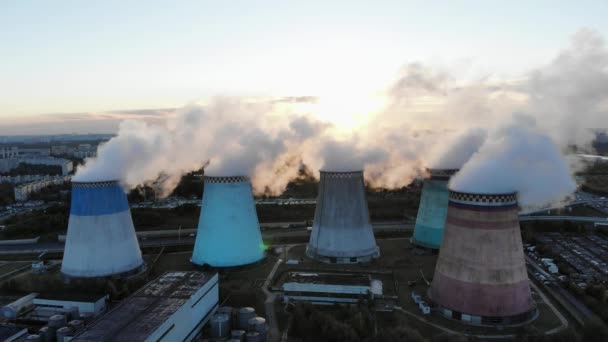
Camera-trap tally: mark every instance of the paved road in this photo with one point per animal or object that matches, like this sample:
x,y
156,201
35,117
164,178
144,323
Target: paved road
x,y
564,218
576,308
268,234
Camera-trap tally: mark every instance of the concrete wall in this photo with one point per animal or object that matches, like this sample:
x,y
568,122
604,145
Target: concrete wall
x,y
228,230
101,239
481,268
342,226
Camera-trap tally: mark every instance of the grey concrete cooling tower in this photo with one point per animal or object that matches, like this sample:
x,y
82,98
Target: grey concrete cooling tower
x,y
342,231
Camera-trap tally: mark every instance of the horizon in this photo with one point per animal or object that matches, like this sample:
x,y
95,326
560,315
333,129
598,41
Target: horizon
x,y
70,67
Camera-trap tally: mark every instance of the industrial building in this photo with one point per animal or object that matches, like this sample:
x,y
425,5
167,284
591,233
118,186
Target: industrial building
x,y
23,191
329,288
174,307
342,231
101,239
228,231
433,208
481,276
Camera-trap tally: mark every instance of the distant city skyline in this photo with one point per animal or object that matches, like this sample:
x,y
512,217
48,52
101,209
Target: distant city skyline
x,y
102,62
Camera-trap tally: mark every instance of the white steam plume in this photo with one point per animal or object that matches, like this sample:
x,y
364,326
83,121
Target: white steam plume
x,y
517,158
429,119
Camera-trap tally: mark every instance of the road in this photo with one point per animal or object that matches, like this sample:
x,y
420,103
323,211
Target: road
x,y
268,234
564,218
575,308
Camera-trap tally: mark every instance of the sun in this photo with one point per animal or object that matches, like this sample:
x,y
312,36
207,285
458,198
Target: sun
x,y
346,112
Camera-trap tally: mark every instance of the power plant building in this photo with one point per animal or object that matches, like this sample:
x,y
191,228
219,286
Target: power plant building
x,y
228,230
481,275
174,307
101,239
342,231
430,221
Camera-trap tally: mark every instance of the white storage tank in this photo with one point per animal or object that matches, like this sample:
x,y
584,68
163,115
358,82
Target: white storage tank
x,y
63,334
220,326
245,314
33,338
258,324
57,321
238,335
76,325
254,336
228,311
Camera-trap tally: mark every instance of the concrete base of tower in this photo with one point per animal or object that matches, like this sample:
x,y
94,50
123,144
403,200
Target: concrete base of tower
x,y
134,273
362,258
206,266
424,244
506,321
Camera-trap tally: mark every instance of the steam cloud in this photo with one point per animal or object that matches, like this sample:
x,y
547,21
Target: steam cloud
x,y
504,135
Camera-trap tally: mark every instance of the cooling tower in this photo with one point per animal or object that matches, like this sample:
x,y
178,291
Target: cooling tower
x,y
342,232
101,240
433,209
228,229
481,276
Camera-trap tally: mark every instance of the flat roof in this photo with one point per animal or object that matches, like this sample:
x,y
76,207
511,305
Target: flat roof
x,y
7,331
141,314
352,279
71,297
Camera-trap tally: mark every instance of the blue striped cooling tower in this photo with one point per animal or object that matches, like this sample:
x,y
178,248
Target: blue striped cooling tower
x,y
101,239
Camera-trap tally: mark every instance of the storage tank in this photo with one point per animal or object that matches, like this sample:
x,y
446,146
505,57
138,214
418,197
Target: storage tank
x,y
11,310
47,334
33,338
228,231
87,317
101,240
481,276
57,321
76,325
220,326
63,334
245,314
238,335
433,208
228,311
254,336
258,324
342,231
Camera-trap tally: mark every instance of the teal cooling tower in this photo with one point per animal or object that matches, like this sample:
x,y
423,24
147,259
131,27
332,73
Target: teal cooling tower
x,y
228,230
433,209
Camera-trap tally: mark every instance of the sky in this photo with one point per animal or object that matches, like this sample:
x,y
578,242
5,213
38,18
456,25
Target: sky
x,y
75,66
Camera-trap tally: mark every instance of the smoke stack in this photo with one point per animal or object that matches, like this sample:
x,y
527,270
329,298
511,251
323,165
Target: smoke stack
x,y
101,240
342,232
228,229
481,275
433,209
